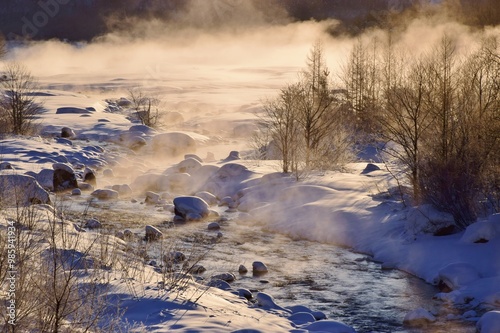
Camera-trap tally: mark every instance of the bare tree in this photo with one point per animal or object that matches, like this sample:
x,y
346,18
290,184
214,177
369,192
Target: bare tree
x,y
146,107
318,110
281,120
18,105
407,119
361,79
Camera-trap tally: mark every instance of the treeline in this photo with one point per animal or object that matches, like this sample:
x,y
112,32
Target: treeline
x,y
438,115
86,19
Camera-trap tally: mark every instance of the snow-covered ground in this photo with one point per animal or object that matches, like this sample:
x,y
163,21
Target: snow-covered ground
x,y
218,104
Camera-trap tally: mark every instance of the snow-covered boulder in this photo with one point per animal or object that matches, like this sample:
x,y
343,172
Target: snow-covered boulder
x,y
21,190
370,167
418,318
89,176
301,318
105,194
67,132
228,277
213,226
45,178
457,275
64,178
6,166
489,323
329,326
93,224
142,129
228,180
426,219
177,183
153,233
135,142
152,198
267,301
259,267
149,182
209,198
189,208
480,232
189,165
123,189
173,144
233,156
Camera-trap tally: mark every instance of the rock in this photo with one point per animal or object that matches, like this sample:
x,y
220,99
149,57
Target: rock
x,y
301,318
223,285
67,132
173,144
93,224
428,220
177,183
245,293
370,167
418,318
152,198
72,110
226,202
123,102
267,301
233,156
489,322
123,190
197,269
105,194
76,192
152,233
208,197
187,207
214,226
242,269
135,142
128,234
6,166
46,179
210,157
108,173
174,257
196,157
64,178
228,277
142,129
85,187
21,190
89,176
189,165
456,275
259,267
169,208
480,232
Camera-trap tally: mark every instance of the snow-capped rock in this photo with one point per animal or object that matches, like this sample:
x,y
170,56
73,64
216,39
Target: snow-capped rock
x,y
189,207
418,318
21,190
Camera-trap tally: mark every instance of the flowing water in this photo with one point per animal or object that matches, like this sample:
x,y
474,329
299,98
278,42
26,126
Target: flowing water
x,y
346,286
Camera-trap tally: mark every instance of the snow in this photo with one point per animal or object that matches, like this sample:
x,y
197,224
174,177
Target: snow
x,y
353,208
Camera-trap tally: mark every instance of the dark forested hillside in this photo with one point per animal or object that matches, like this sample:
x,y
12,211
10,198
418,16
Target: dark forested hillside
x,y
86,19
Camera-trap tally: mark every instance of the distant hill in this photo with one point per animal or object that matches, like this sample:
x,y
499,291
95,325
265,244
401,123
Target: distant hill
x,y
85,19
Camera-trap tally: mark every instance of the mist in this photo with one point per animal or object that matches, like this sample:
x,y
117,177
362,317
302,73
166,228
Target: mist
x,y
221,53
